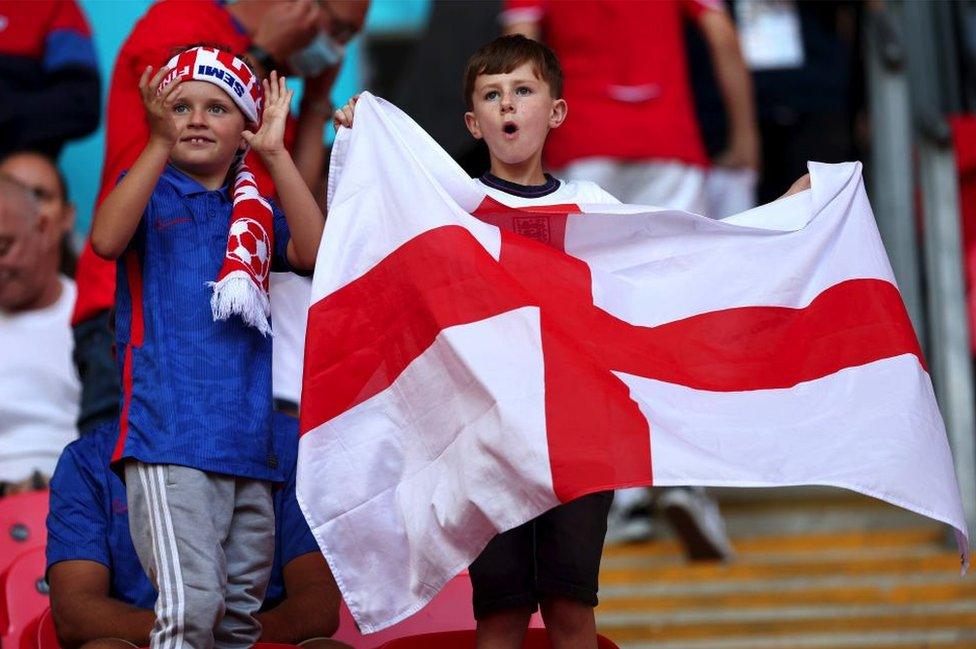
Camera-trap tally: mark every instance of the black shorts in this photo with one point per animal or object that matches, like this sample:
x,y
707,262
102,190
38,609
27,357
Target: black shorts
x,y
555,554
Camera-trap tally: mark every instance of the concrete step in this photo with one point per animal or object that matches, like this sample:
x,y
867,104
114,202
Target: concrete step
x,y
828,570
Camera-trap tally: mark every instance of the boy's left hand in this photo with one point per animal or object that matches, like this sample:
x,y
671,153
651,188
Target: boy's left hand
x,y
800,184
269,139
345,115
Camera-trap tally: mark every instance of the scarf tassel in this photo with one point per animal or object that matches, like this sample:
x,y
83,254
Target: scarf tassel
x,y
237,294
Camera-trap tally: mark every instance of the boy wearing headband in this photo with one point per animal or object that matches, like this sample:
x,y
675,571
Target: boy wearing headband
x,y
195,243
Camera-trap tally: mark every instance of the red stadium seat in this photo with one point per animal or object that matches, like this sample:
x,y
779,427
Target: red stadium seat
x,y
23,597
534,639
22,524
47,637
449,611
28,636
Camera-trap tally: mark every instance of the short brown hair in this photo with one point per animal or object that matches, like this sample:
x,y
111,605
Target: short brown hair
x,y
506,53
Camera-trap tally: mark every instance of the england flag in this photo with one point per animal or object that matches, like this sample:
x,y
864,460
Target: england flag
x,y
470,365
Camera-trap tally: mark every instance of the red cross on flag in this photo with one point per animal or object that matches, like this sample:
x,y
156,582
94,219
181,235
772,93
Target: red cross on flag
x,y
469,365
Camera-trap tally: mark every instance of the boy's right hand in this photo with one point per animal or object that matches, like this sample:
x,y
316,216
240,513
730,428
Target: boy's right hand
x,y
159,104
344,116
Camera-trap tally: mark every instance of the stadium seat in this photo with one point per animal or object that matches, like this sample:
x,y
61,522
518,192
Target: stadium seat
x,y
22,524
47,637
534,639
449,611
23,597
28,636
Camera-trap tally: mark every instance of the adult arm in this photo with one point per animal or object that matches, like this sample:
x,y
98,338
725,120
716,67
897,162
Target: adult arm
x,y
305,220
311,608
83,610
308,149
735,84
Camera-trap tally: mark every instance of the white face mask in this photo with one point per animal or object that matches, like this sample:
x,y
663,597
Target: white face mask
x,y
318,56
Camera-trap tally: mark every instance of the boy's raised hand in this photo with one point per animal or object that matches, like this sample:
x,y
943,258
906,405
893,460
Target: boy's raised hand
x,y
269,139
344,116
800,184
159,103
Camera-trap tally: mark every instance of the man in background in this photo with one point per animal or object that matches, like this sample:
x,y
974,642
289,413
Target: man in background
x,y
38,381
634,132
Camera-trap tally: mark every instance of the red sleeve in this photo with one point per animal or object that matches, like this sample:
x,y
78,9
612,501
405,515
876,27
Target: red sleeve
x,y
693,9
126,133
152,42
964,133
95,279
520,11
25,26
68,43
69,16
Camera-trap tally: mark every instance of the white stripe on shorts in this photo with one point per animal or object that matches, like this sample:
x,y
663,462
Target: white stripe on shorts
x,y
163,585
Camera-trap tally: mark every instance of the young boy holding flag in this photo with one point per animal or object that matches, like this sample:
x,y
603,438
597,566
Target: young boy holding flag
x,y
513,89
195,440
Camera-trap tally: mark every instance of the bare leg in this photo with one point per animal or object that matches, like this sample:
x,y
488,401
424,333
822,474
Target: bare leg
x,y
570,624
502,630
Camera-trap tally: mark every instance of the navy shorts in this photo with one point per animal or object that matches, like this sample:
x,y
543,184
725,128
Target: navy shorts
x,y
555,554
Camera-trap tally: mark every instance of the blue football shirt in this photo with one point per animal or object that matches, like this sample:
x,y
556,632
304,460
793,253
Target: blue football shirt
x,y
196,392
89,520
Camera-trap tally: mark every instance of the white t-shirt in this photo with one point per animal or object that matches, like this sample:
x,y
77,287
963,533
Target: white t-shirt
x,y
553,192
39,388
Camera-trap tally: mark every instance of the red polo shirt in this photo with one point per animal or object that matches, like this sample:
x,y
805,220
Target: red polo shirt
x,y
626,78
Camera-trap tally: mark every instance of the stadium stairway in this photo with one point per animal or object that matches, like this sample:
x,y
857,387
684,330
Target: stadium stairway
x,y
815,568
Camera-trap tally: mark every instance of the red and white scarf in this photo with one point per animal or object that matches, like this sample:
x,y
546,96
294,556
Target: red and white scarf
x,y
241,287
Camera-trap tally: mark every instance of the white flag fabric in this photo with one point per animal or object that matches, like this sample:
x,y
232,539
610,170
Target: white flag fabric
x,y
470,365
